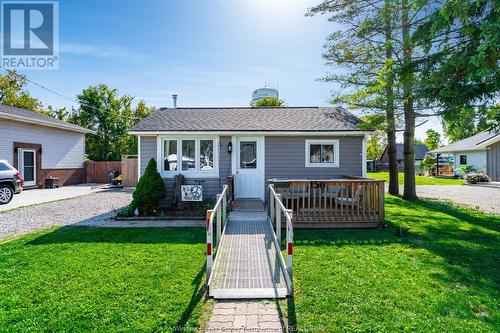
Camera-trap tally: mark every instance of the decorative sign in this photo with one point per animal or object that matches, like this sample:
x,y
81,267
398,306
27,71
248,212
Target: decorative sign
x,y
192,192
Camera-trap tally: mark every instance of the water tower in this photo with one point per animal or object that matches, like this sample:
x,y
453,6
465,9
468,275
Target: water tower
x,y
261,93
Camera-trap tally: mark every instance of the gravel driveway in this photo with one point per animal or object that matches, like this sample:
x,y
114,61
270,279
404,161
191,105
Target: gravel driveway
x,y
92,209
486,199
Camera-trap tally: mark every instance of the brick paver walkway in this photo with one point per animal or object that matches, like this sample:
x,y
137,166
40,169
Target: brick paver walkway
x,y
247,316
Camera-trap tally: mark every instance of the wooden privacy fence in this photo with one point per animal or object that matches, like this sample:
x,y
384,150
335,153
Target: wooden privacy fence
x,y
97,171
333,203
129,170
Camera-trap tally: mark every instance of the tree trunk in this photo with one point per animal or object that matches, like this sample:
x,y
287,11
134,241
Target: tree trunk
x,y
410,192
389,92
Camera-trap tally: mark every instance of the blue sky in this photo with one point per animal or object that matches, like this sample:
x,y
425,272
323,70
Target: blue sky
x,y
209,52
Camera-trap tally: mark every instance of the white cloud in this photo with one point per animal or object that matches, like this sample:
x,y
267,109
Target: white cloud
x,y
100,51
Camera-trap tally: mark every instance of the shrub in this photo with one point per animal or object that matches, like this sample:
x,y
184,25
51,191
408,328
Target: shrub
x,y
126,211
467,169
429,160
474,178
149,191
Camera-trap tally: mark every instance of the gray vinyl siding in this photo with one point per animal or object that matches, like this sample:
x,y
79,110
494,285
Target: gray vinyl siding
x,y
224,159
148,151
211,186
61,149
285,158
493,161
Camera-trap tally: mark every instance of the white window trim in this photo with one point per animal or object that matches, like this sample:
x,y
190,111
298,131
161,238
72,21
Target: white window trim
x,y
466,158
336,154
186,173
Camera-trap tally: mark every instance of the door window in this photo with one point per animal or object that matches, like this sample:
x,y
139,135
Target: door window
x,y
28,165
248,155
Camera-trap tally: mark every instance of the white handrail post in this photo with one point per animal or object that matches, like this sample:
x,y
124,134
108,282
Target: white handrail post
x,y
209,242
219,224
289,243
271,203
224,206
278,218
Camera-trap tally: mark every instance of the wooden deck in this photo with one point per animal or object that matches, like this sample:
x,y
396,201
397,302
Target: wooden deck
x,y
329,203
247,264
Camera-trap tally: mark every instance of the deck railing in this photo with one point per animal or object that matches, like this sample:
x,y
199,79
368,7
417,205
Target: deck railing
x,y
219,212
357,202
276,211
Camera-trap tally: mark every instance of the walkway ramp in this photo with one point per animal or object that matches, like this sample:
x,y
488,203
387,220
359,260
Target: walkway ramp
x,y
247,263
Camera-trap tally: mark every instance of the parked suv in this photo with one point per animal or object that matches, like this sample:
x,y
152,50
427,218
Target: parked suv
x,y
10,182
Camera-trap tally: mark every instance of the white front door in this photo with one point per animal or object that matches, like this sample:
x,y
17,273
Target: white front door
x,y
249,167
27,166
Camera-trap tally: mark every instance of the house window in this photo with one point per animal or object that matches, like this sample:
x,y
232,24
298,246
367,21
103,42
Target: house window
x,y
169,155
192,156
463,159
206,155
322,153
188,155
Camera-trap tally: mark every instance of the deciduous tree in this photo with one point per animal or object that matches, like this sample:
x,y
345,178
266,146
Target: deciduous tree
x,y
13,92
269,101
432,139
111,116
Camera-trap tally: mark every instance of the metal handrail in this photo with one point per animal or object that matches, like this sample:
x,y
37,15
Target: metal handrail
x,y
276,209
220,212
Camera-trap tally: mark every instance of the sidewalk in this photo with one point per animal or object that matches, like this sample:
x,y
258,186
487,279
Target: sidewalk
x,y
247,316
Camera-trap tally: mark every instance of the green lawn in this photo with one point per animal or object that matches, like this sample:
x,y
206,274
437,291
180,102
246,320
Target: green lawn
x,y
78,279
443,277
420,180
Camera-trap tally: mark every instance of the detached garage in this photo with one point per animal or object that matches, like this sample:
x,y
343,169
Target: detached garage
x,y
492,146
41,147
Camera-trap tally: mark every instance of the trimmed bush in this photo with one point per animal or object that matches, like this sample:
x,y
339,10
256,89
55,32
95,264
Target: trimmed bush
x,y
149,190
474,178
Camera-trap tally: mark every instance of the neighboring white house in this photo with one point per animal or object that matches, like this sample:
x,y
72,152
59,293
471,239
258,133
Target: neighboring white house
x,y
492,146
42,147
468,152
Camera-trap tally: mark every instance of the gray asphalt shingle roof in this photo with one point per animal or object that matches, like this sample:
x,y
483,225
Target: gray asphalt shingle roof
x,y
469,143
250,119
37,118
420,152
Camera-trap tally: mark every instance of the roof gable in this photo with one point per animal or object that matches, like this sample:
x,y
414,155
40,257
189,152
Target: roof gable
x,y
250,119
23,115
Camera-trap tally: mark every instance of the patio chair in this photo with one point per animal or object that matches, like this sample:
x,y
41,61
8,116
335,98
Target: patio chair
x,y
350,201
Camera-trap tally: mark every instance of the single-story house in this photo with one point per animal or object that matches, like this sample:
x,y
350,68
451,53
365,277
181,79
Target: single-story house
x,y
471,152
41,147
206,145
420,153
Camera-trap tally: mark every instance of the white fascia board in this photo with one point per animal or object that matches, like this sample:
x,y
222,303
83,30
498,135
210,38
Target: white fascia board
x,y
490,141
68,127
456,151
261,133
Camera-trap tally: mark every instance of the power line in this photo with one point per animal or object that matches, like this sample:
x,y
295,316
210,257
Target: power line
x,y
50,90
